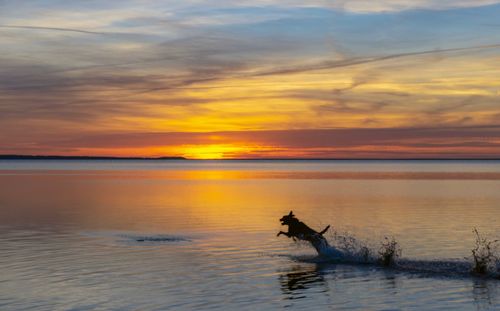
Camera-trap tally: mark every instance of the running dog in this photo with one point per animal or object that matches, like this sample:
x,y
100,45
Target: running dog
x,y
299,230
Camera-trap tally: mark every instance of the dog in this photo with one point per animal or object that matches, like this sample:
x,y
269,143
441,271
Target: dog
x,y
299,230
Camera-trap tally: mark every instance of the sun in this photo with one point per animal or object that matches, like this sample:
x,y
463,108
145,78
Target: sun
x,y
212,152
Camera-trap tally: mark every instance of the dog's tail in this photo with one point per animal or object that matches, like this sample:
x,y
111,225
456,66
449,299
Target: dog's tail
x,y
324,230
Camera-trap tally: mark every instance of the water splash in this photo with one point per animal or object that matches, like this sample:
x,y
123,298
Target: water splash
x,y
352,248
485,255
343,247
389,252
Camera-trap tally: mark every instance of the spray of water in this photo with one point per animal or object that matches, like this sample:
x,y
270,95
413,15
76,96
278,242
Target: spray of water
x,y
389,252
485,255
353,248
345,247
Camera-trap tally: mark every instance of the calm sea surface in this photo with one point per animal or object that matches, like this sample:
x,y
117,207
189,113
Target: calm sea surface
x,y
201,235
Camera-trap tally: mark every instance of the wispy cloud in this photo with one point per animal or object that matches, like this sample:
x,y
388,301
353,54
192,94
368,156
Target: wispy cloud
x,y
323,65
53,29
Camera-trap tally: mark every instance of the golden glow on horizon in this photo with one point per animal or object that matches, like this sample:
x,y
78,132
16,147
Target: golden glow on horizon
x,y
210,152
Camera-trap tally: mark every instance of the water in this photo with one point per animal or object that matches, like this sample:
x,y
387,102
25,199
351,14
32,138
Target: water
x,y
200,235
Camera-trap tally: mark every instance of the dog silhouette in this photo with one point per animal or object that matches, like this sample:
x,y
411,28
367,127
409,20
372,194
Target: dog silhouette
x,y
299,230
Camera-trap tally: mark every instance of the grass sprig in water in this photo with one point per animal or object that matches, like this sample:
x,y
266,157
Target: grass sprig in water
x,y
485,255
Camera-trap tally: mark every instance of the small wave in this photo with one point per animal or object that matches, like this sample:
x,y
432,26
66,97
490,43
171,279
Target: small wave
x,y
437,267
137,238
155,238
427,268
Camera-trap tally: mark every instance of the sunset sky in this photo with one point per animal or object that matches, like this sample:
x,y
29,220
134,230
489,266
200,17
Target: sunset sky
x,y
251,79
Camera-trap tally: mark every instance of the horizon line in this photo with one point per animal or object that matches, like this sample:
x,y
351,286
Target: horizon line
x,y
92,157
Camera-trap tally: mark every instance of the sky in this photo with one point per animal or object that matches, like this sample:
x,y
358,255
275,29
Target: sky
x,y
251,79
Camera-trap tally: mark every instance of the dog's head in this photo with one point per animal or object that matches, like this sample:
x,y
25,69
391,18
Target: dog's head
x,y
288,219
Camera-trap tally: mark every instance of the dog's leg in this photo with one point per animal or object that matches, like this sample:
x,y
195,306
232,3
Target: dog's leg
x,y
285,233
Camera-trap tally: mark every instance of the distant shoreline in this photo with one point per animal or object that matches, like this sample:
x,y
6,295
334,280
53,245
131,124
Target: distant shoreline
x,y
58,157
